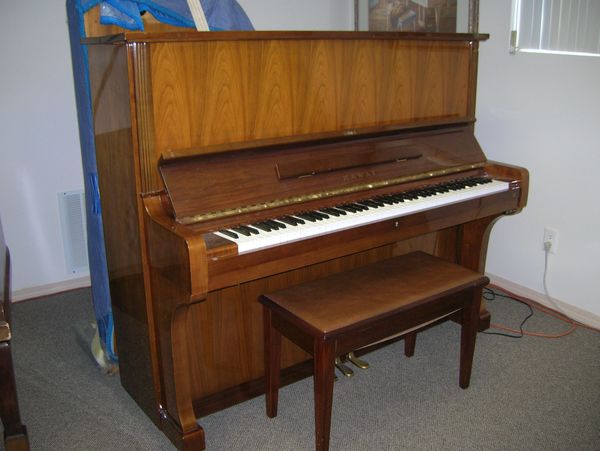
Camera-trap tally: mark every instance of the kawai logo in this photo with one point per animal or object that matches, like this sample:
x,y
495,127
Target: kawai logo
x,y
359,175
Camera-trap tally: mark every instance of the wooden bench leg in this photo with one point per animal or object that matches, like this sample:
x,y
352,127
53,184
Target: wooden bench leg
x,y
324,357
468,335
410,339
272,341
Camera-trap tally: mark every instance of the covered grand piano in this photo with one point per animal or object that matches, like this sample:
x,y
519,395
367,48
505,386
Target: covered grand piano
x,y
232,164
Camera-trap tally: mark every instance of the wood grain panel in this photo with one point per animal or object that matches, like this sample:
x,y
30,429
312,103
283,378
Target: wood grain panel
x,y
142,105
225,331
214,92
118,184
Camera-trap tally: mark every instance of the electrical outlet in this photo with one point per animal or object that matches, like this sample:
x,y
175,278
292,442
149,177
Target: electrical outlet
x,y
551,236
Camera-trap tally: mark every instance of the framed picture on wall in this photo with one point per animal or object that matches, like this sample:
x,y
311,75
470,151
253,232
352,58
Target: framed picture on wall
x,y
432,16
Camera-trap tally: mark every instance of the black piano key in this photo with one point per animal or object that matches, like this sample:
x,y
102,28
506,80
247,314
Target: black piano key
x,y
252,230
320,214
389,200
307,217
359,207
334,212
262,226
348,208
368,203
341,212
229,233
315,215
290,220
398,198
275,225
299,220
242,231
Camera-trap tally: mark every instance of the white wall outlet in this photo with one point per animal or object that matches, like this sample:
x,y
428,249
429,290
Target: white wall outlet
x,y
550,240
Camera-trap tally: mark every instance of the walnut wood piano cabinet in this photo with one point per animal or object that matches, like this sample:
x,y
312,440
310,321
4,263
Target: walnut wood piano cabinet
x,y
197,133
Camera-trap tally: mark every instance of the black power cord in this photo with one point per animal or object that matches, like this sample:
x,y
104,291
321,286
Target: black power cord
x,y
491,295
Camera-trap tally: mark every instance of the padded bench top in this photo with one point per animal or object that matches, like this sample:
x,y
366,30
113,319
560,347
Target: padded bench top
x,y
372,291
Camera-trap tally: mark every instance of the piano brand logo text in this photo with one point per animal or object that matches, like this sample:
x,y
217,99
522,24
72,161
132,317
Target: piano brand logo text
x,y
359,175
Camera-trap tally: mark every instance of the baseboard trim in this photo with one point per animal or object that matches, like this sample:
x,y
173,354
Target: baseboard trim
x,y
579,315
51,288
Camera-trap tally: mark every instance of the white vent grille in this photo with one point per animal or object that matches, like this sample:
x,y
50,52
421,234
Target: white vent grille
x,y
71,207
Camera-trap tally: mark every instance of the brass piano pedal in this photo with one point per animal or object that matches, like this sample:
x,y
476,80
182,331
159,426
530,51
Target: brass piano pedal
x,y
356,361
346,371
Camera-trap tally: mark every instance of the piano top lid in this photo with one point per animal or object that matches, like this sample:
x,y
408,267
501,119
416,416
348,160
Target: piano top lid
x,y
139,36
225,184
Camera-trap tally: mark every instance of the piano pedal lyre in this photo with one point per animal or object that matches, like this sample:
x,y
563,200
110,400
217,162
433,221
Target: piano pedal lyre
x,y
345,370
360,363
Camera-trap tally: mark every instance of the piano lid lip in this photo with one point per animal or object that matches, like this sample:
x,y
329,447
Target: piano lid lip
x,y
301,140
192,35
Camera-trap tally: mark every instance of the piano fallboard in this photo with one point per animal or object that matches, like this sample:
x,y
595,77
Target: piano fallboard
x,y
200,189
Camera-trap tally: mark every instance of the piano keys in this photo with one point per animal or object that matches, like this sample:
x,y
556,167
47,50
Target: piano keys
x,y
360,144
309,224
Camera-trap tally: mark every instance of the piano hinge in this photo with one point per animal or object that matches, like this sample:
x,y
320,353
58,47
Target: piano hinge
x,y
514,185
325,194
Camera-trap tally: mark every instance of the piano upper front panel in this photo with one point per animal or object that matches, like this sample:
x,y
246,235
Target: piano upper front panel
x,y
214,91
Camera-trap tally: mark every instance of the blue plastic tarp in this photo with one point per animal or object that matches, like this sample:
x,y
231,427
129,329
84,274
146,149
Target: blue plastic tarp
x,y
220,15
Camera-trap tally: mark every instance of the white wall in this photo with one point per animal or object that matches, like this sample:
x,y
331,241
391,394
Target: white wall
x,y
538,111
39,141
543,112
300,15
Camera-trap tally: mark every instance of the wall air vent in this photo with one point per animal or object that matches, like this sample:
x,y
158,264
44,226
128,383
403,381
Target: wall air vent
x,y
71,207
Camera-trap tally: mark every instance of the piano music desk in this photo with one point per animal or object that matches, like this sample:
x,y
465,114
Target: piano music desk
x,y
334,315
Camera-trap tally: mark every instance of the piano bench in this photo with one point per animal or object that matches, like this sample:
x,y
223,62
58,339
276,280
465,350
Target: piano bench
x,y
337,314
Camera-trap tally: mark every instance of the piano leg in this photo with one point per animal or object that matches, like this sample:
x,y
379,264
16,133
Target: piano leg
x,y
172,304
473,240
177,416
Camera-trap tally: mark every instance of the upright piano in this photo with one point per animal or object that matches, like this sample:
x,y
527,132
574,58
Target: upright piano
x,y
233,164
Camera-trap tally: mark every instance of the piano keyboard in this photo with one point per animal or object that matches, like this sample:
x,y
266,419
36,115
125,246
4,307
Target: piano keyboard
x,y
309,224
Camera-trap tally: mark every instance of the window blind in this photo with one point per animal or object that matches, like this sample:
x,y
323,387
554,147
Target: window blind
x,y
556,26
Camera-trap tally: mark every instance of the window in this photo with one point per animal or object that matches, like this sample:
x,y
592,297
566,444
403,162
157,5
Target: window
x,y
556,26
